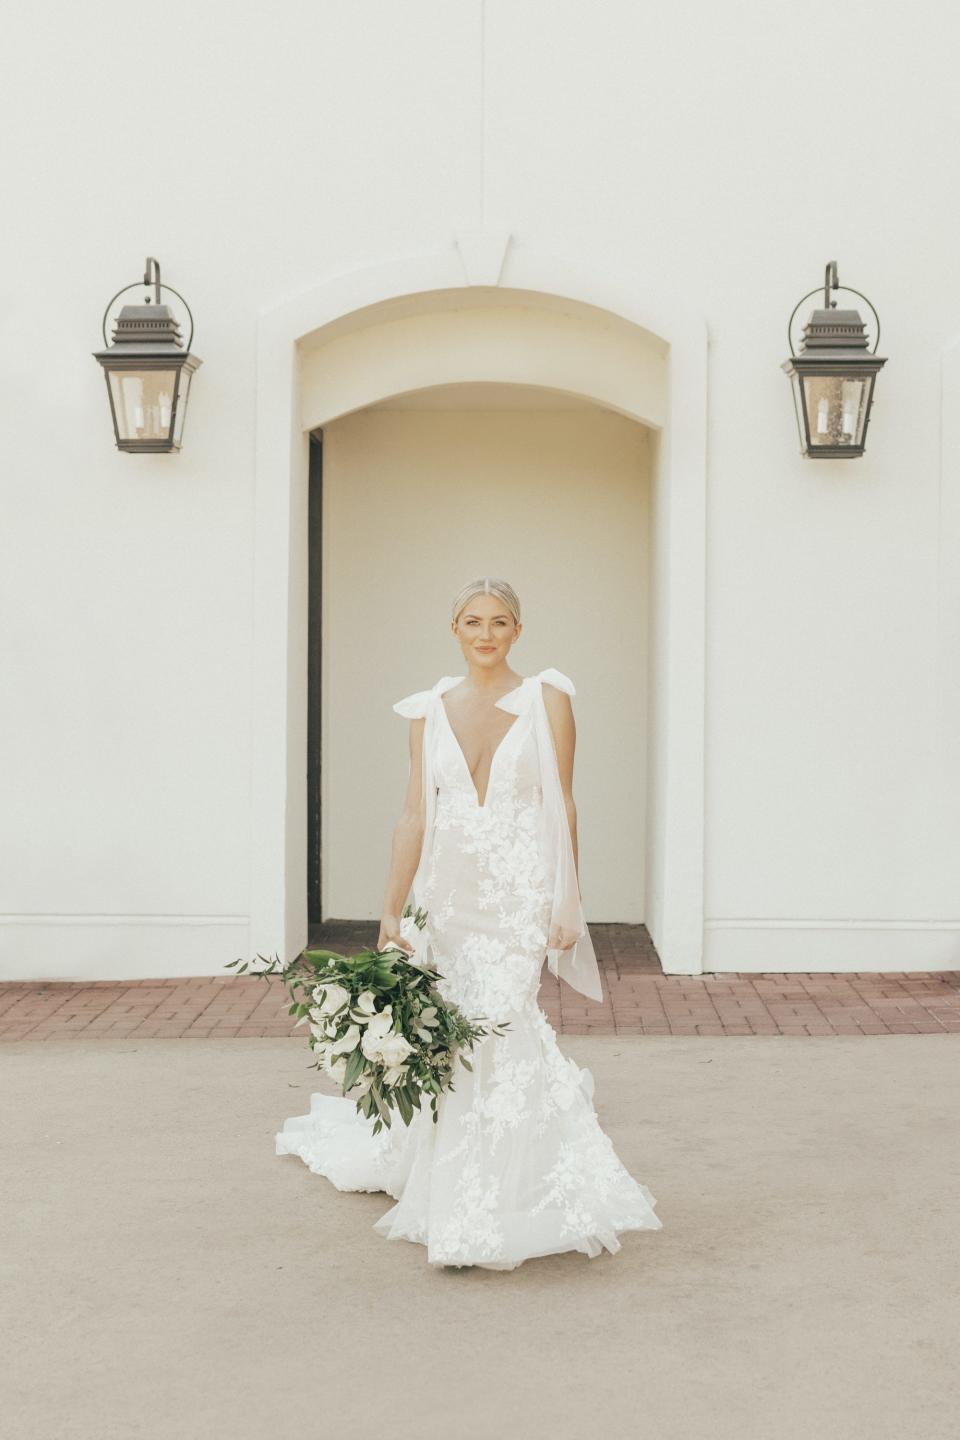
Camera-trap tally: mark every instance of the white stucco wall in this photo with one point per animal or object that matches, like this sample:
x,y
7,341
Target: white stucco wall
x,y
701,147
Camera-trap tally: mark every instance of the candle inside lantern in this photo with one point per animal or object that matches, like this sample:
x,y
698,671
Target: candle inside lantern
x,y
851,405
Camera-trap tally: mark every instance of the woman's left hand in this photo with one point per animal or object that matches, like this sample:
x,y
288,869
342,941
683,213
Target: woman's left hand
x,y
562,939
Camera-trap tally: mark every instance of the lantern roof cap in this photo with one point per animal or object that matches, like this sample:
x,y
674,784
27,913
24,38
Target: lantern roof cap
x,y
148,332
834,330
147,324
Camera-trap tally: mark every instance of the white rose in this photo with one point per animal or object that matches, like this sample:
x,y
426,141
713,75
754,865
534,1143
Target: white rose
x,y
395,1049
366,1002
347,1043
371,1043
334,998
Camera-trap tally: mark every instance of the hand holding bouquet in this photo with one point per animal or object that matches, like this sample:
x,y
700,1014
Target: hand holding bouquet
x,y
379,1026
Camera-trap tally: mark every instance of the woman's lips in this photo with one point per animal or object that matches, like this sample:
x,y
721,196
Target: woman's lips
x,y
486,648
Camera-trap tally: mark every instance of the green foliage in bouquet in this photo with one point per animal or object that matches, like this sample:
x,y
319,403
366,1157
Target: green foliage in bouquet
x,y
378,1025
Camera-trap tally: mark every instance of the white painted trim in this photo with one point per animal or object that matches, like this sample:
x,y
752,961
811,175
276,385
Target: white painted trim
x,y
834,946
121,947
52,918
278,812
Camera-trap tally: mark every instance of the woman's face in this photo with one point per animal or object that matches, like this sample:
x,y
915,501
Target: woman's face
x,y
486,630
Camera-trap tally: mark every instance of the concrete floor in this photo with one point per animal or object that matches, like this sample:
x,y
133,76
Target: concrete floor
x,y
166,1275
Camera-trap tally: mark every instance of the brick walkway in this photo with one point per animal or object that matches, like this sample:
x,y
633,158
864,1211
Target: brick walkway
x,y
639,1000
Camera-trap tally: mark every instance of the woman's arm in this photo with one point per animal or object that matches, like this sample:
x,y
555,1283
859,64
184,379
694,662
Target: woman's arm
x,y
406,845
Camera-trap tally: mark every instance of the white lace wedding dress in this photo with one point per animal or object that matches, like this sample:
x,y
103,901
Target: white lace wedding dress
x,y
517,1164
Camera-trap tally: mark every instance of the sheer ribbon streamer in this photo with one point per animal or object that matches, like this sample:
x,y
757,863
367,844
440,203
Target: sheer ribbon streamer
x,y
578,964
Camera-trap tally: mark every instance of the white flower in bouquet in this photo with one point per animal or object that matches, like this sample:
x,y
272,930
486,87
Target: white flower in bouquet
x,y
331,998
348,1042
365,1004
395,1049
377,1030
370,1045
324,1027
394,1075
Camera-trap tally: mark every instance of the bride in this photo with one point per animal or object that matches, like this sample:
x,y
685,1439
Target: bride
x,y
516,1164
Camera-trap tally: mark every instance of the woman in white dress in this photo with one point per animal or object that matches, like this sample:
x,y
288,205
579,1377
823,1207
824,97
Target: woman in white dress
x,y
516,1164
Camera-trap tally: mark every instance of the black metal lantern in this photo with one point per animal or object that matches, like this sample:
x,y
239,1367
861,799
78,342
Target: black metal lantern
x,y
833,376
148,370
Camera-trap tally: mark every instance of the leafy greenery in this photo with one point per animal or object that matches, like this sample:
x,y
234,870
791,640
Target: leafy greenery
x,y
379,1025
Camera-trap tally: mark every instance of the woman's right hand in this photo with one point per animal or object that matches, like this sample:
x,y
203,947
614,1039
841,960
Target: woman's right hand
x,y
390,934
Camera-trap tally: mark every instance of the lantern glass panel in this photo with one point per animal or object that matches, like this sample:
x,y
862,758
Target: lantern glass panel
x,y
143,402
797,393
836,408
185,378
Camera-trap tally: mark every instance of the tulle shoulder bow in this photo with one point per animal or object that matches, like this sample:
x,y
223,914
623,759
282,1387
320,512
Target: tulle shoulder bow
x,y
557,678
418,704
517,701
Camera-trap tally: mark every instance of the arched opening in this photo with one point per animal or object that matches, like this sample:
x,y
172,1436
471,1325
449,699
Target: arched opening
x,y
419,492
559,412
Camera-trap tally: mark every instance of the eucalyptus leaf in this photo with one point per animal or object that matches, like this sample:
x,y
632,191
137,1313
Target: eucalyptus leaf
x,y
355,1068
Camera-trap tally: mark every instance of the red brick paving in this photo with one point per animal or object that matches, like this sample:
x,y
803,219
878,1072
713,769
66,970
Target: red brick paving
x,y
638,1000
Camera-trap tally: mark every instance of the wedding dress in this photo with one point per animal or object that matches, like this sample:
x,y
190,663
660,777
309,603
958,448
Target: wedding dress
x,y
516,1164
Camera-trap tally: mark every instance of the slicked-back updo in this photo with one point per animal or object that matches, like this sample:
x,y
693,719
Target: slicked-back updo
x,y
486,586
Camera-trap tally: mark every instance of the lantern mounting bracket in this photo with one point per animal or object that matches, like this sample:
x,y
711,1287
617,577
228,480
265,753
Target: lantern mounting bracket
x,y
830,282
147,280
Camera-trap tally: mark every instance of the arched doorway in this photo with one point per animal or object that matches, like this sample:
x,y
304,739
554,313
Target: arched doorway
x,y
420,324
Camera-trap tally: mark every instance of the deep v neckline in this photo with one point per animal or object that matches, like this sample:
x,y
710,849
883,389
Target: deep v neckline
x,y
481,805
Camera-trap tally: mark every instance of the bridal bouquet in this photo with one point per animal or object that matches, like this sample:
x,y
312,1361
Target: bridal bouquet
x,y
378,1025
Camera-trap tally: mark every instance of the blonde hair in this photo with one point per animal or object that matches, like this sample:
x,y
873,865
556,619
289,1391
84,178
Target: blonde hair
x,y
486,586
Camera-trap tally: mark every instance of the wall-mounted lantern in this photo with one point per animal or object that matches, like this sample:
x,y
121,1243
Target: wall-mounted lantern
x,y
148,370
833,376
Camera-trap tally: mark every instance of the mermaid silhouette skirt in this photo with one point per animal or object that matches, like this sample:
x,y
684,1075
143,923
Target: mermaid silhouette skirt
x,y
517,1164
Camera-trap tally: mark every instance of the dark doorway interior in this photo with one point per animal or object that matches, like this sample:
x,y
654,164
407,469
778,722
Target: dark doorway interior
x,y
314,656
